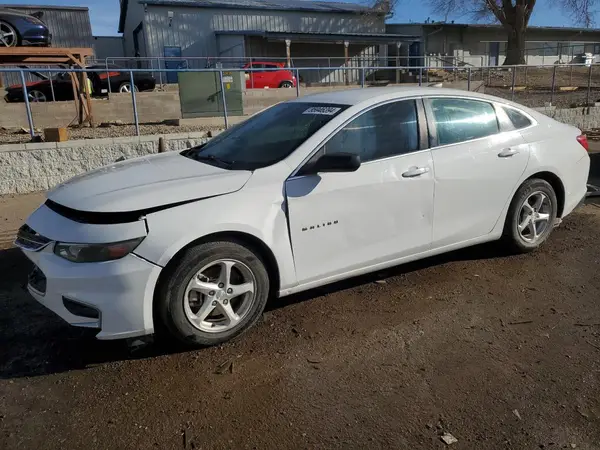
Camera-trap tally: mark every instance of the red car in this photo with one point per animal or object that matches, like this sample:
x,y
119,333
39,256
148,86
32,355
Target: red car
x,y
273,79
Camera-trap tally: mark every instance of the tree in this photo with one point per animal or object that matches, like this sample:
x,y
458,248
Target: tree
x,y
514,17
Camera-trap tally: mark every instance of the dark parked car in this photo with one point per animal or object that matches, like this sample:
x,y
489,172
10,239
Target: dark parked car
x,y
41,91
20,29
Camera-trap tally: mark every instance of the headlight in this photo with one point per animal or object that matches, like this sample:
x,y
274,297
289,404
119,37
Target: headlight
x,y
88,253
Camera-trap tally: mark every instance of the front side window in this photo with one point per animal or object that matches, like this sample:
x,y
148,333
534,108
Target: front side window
x,y
267,137
518,120
460,120
385,131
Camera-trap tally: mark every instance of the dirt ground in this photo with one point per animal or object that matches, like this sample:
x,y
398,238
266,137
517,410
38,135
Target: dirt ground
x,y
500,351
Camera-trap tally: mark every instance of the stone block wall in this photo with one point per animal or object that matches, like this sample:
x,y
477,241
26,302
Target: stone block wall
x,y
585,118
41,166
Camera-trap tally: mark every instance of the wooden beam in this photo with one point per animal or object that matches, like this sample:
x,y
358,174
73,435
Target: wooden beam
x,y
42,55
44,51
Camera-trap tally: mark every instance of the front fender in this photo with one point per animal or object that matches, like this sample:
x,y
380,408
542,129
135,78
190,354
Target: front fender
x,y
263,218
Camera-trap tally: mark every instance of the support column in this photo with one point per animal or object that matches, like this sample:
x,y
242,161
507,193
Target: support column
x,y
398,46
347,63
288,52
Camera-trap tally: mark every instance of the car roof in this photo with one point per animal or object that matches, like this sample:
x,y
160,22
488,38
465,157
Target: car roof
x,y
376,94
277,63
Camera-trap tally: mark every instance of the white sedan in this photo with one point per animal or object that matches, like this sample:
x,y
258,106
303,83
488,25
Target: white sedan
x,y
305,193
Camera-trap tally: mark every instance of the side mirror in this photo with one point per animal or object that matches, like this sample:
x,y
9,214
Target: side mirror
x,y
336,162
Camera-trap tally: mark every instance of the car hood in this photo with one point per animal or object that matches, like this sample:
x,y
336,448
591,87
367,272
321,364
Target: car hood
x,y
146,183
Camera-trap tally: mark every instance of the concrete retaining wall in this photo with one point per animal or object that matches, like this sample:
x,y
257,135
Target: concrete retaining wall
x,y
583,118
37,167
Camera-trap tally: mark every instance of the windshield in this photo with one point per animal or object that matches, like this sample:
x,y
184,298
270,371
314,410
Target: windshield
x,y
267,137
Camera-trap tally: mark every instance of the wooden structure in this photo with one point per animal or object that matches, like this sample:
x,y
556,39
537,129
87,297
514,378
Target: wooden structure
x,y
61,58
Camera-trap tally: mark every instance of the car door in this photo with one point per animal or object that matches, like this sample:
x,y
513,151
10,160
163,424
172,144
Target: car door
x,y
271,76
63,87
256,77
478,161
345,221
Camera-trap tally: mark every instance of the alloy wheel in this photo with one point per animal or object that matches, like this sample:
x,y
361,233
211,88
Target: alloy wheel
x,y
534,217
126,89
8,35
220,296
36,96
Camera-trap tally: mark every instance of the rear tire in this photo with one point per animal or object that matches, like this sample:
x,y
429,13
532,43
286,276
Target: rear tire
x,y
125,88
531,216
36,96
286,85
214,293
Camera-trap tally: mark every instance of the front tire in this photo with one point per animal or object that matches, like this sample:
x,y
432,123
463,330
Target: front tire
x,y
286,85
215,292
8,35
531,216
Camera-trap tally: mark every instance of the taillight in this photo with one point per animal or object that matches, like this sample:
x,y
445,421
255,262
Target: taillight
x,y
582,139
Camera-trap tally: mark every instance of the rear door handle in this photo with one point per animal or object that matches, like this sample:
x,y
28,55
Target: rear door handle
x,y
508,152
415,172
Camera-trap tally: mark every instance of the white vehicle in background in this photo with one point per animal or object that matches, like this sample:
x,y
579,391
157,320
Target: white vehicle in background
x,y
305,193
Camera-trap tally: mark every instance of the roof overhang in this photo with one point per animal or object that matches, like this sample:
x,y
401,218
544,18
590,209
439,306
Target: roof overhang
x,y
479,26
329,38
335,7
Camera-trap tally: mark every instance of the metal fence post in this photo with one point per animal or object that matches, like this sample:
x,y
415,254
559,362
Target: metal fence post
x,y
297,82
553,84
51,85
571,76
362,77
514,76
420,76
133,99
223,99
159,71
469,79
27,105
108,77
589,91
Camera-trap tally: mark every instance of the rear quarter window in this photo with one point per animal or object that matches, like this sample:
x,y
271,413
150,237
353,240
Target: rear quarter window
x,y
518,119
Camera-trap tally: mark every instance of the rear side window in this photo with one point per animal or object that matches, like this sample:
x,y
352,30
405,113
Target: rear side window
x,y
460,120
518,120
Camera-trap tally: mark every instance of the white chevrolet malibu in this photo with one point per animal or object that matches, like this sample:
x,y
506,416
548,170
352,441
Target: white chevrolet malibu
x,y
303,194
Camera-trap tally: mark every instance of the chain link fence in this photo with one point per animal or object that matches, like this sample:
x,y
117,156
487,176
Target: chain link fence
x,y
560,85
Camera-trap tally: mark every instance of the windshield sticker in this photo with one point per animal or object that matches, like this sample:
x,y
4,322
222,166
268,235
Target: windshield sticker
x,y
322,110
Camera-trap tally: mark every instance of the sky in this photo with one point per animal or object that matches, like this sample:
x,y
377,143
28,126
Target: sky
x,y
104,14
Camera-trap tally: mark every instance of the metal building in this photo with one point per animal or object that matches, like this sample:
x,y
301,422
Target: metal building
x,y
448,44
311,33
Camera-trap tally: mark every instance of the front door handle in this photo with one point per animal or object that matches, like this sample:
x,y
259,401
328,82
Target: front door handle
x,y
415,172
508,152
